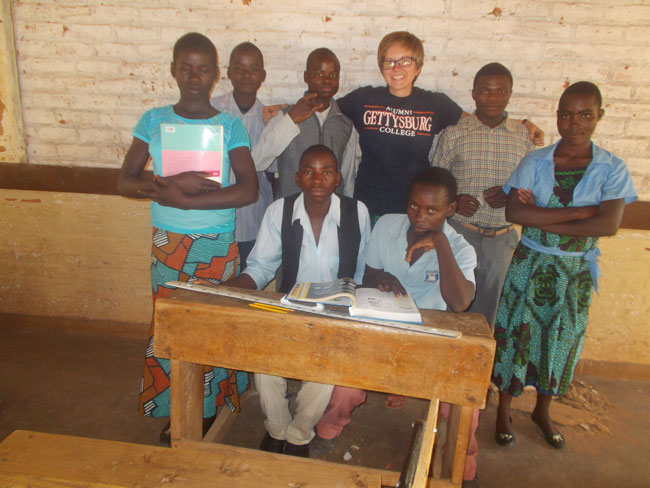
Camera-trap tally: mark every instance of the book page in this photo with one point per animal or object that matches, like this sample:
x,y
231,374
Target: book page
x,y
371,302
339,292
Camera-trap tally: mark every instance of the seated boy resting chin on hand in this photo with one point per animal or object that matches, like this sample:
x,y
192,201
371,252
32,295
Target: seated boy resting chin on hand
x,y
418,253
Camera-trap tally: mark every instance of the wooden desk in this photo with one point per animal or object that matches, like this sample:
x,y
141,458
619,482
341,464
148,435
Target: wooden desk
x,y
193,329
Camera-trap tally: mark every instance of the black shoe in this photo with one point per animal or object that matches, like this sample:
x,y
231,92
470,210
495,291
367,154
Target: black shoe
x,y
471,483
555,440
320,448
207,423
504,438
271,444
165,435
295,450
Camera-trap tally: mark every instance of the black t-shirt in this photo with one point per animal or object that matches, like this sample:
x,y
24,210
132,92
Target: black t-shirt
x,y
395,135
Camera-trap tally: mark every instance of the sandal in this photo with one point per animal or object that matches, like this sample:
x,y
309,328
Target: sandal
x,y
555,440
504,438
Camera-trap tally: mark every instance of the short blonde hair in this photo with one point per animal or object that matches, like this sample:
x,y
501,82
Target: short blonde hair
x,y
405,38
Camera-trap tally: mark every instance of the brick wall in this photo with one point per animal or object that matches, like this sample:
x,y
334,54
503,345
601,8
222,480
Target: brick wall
x,y
88,69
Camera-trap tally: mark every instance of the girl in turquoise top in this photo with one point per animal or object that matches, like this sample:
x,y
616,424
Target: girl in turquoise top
x,y
567,195
192,216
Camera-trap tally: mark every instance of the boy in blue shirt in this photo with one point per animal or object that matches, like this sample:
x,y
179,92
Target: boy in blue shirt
x,y
419,253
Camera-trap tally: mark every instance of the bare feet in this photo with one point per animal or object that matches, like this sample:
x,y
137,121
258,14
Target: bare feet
x,y
395,401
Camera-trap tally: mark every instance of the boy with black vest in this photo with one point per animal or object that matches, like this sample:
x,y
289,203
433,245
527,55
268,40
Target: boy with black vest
x,y
314,119
316,236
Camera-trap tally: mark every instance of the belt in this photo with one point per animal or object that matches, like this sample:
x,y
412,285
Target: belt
x,y
487,231
590,256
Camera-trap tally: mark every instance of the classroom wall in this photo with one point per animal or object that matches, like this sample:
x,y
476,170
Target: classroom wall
x,y
87,70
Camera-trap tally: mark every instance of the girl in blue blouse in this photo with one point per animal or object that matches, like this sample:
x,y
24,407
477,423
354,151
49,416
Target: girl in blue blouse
x,y
567,195
193,217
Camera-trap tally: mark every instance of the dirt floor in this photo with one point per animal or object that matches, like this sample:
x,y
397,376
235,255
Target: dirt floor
x,y
68,378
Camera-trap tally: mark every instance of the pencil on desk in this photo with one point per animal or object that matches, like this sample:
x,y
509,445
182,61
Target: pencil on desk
x,y
270,308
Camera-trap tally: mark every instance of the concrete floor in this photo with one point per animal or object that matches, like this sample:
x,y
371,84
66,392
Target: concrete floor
x,y
68,377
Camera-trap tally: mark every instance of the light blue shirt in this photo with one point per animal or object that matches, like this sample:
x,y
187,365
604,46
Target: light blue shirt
x,y
387,252
319,263
190,221
606,178
248,218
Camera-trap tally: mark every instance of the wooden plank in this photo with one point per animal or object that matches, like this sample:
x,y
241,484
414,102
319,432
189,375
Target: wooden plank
x,y
424,460
47,460
65,179
462,441
103,181
222,423
186,400
388,478
450,442
206,329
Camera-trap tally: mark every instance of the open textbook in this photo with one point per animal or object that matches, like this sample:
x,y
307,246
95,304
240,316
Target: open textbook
x,y
192,147
363,302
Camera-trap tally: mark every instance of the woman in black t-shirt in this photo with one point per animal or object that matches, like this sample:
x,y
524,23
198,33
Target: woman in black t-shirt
x,y
396,124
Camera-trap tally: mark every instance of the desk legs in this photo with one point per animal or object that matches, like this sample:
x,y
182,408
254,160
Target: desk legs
x,y
186,401
462,440
424,460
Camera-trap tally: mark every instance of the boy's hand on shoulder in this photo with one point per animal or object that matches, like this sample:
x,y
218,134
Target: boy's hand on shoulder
x,y
466,205
193,183
303,109
535,133
270,111
495,197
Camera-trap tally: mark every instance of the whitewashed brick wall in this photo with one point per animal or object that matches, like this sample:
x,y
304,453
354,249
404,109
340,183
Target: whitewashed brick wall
x,y
88,69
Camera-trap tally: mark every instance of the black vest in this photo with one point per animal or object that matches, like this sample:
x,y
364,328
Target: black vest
x,y
349,236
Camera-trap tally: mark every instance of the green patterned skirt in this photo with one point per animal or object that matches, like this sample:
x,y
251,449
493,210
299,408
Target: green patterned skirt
x,y
541,322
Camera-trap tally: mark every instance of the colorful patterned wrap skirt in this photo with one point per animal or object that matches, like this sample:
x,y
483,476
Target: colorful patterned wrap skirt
x,y
542,316
182,257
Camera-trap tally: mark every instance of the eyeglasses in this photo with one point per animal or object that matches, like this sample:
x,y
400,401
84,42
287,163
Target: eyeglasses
x,y
404,62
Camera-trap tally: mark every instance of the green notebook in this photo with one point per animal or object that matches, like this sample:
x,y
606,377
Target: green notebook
x,y
192,147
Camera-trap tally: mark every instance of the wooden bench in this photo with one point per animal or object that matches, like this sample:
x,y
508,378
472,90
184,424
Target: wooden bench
x,y
47,460
194,329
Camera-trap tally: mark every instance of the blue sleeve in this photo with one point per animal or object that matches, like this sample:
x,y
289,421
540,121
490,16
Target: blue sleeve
x,y
142,128
377,237
238,135
523,176
619,184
